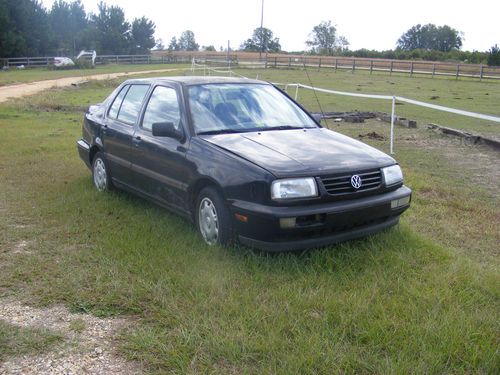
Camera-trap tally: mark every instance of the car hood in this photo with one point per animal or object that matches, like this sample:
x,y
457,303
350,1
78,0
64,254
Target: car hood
x,y
302,151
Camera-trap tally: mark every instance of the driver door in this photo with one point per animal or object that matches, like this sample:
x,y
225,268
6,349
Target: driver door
x,y
161,161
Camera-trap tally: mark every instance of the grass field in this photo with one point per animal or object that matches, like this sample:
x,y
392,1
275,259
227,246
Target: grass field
x,y
465,94
420,298
14,76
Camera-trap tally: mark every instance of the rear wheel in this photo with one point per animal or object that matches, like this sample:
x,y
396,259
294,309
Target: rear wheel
x,y
212,217
100,173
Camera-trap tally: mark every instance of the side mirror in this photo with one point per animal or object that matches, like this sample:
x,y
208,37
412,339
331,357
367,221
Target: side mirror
x,y
317,117
166,129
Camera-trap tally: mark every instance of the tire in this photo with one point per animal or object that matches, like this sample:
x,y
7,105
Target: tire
x,y
212,218
100,173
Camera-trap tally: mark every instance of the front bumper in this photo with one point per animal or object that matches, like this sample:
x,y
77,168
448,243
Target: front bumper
x,y
317,224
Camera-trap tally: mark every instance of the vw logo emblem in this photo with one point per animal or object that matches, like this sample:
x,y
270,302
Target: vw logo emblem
x,y
356,181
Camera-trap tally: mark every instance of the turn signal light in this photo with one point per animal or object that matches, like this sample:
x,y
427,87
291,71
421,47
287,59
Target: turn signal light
x,y
396,203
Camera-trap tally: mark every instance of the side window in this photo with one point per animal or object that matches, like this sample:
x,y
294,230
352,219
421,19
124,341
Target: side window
x,y
131,105
115,107
162,107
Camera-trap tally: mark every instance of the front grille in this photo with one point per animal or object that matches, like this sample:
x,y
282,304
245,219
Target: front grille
x,y
340,185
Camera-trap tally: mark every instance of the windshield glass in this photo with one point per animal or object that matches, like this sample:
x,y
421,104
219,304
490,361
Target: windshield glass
x,y
221,108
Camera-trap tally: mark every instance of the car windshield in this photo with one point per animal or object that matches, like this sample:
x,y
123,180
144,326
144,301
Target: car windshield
x,y
232,108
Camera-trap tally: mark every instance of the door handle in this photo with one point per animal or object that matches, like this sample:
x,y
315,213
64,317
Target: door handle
x,y
137,139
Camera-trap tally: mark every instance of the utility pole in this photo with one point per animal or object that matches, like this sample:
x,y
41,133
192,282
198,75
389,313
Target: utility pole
x,y
261,30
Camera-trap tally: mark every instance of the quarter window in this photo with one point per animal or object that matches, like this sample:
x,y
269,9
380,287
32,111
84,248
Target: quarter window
x,y
129,110
115,107
162,107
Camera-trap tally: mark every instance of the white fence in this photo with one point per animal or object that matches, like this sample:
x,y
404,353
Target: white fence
x,y
394,99
227,70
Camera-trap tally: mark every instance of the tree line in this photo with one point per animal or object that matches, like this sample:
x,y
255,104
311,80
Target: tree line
x,y
29,29
421,42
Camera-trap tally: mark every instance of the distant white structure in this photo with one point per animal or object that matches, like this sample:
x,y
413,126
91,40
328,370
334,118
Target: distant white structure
x,y
60,62
89,55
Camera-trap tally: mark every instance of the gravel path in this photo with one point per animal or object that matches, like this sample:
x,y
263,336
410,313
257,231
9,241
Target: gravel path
x,y
16,91
88,350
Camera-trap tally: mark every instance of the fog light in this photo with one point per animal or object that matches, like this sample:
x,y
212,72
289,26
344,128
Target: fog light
x,y
288,222
396,203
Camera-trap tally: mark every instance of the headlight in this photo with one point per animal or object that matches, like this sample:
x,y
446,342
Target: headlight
x,y
294,188
392,175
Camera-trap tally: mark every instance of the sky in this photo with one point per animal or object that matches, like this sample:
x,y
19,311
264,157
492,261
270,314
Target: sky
x,y
366,24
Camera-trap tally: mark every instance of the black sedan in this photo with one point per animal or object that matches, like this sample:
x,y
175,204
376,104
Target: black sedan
x,y
242,160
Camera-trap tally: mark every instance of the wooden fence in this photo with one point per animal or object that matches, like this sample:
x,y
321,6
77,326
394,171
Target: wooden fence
x,y
411,68
389,66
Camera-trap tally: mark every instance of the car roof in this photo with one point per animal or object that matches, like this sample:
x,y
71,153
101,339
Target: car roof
x,y
194,80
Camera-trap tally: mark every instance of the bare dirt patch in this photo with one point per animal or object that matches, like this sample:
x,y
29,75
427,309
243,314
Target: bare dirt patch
x,y
89,346
24,89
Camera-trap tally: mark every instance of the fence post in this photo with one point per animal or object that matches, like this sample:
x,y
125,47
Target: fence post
x,y
433,70
296,92
458,71
336,64
393,115
481,73
289,62
275,62
319,64
411,69
392,64
116,59
353,65
371,66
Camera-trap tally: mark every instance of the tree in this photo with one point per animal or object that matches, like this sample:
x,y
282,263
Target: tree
x,y
262,40
430,37
324,40
173,45
68,22
142,35
24,28
111,32
343,43
187,41
209,48
494,56
159,44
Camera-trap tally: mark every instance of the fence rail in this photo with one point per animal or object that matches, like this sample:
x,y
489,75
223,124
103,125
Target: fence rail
x,y
411,68
389,66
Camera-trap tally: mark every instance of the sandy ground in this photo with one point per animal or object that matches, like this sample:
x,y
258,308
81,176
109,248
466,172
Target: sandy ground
x,y
23,89
90,350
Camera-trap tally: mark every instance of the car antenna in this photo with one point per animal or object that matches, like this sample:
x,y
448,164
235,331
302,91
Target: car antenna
x,y
313,89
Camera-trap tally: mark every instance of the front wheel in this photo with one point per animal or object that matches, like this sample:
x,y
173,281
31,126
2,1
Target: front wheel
x,y
100,173
212,217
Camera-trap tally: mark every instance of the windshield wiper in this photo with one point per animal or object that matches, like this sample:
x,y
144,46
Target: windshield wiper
x,y
281,127
220,131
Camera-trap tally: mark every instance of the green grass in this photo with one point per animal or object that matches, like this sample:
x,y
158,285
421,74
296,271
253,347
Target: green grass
x,y
15,76
16,341
420,298
465,94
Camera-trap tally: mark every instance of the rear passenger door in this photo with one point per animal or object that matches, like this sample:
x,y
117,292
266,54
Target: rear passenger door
x,y
119,129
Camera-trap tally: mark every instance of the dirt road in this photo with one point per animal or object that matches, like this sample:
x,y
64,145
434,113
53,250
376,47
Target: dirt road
x,y
16,91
